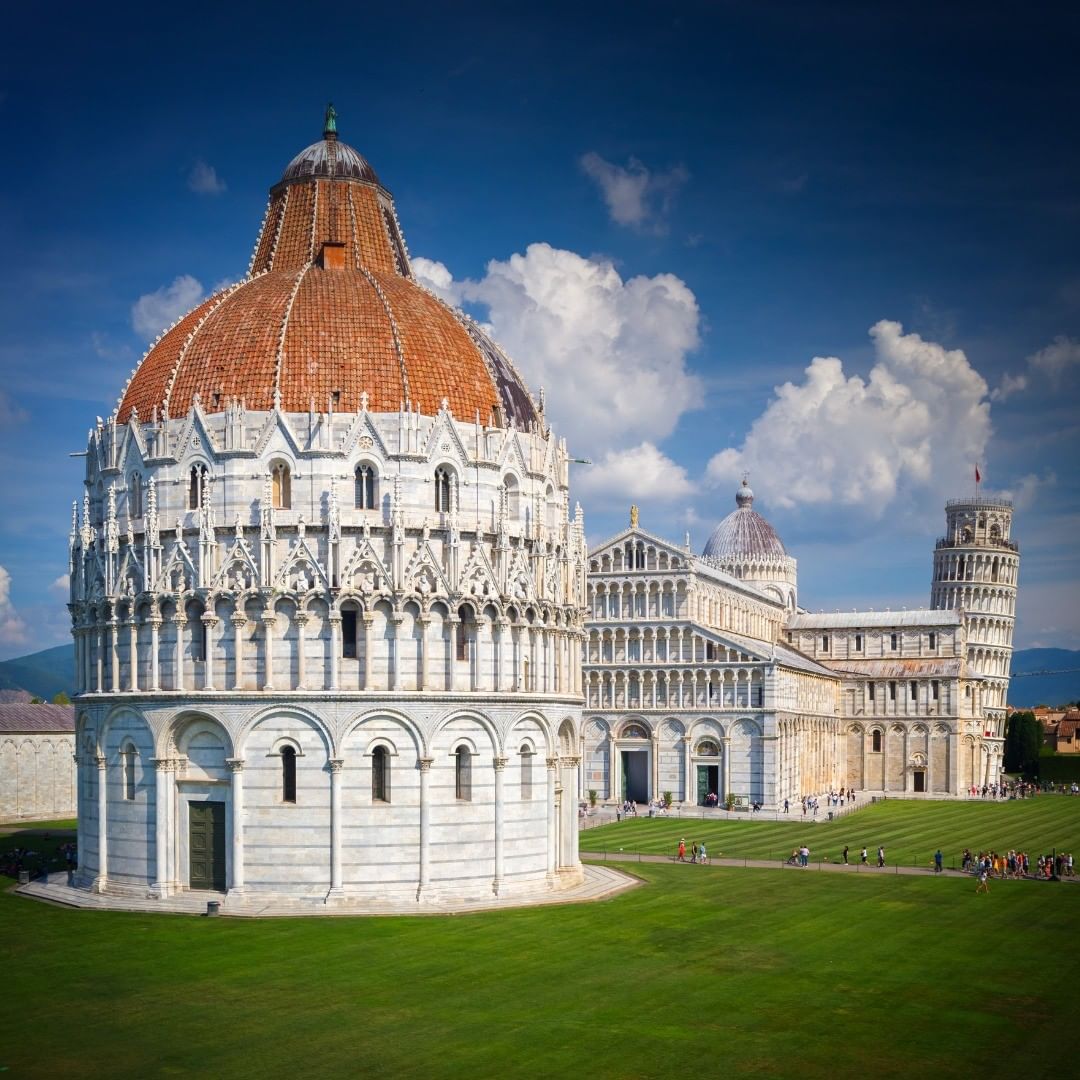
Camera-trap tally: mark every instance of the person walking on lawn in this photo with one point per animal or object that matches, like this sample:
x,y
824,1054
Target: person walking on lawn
x,y
682,850
937,861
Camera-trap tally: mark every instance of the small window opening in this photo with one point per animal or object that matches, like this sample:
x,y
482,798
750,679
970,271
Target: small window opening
x,y
288,774
380,775
442,490
463,774
858,642
282,486
348,635
871,691
894,642
914,690
935,689
365,487
933,641
876,743
824,642
196,486
129,773
526,773
892,691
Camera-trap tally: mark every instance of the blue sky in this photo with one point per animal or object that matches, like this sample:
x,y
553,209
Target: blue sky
x,y
664,216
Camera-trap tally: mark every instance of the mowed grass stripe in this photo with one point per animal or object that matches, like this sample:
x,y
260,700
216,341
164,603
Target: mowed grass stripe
x,y
909,831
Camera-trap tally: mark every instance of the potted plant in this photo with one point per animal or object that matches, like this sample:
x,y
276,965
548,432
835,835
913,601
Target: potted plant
x,y
592,797
668,800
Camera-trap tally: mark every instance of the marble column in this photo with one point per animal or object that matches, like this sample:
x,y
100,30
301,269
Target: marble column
x,y
393,658
727,768
114,655
335,649
500,772
155,652
369,618
425,622
301,649
178,674
133,654
268,621
236,767
162,772
102,880
689,787
239,621
209,622
100,636
335,828
552,855
425,824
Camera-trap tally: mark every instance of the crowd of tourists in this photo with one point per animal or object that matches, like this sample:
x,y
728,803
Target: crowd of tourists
x,y
811,804
1017,864
698,854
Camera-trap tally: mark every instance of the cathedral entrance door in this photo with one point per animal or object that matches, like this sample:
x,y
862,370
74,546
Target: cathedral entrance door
x,y
919,777
206,844
635,775
708,782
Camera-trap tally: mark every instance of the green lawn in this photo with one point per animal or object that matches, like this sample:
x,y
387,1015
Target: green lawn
x,y
910,831
700,973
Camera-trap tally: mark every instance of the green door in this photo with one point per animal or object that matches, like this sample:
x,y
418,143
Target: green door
x,y
702,784
207,845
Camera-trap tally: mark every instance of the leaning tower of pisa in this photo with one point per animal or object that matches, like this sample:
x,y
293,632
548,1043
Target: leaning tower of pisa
x,y
976,566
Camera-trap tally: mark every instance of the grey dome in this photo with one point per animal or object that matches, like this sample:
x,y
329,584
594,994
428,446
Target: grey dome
x,y
743,533
327,158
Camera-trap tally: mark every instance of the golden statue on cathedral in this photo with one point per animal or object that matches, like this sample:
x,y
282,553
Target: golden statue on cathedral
x,y
633,517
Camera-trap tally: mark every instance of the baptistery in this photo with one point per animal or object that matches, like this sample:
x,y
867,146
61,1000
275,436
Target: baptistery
x,y
326,589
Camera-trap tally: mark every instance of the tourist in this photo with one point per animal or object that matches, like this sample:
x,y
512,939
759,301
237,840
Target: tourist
x,y
682,850
938,860
984,881
702,857
693,853
862,855
880,855
804,856
845,854
787,807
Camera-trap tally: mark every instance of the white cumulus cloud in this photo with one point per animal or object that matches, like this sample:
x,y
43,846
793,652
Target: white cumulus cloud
x,y
635,195
610,353
155,311
641,472
1050,364
918,421
61,586
204,180
12,627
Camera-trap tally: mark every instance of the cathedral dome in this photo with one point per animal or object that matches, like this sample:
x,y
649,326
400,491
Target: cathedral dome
x,y
743,533
328,313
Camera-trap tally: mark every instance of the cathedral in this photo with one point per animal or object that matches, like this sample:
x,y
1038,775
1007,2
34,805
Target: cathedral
x,y
706,683
336,622
327,589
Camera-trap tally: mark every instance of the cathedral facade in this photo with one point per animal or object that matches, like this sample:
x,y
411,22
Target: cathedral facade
x,y
327,589
704,680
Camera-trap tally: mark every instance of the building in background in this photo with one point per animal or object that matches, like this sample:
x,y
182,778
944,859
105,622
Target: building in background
x,y
37,762
705,680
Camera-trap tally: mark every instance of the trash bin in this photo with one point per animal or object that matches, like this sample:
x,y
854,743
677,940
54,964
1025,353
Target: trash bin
x,y
24,877
213,907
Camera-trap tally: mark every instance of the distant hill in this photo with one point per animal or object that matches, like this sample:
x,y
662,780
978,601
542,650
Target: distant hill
x,y
1045,689
43,674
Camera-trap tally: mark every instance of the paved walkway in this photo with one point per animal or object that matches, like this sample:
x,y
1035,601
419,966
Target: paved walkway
x,y
773,864
600,883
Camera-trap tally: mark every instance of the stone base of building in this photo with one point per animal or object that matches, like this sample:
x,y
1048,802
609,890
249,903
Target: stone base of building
x,y
571,885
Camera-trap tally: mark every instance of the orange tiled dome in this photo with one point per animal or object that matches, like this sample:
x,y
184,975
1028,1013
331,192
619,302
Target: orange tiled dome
x,y
329,311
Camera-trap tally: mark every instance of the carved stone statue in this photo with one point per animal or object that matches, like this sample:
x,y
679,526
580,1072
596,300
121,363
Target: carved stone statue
x,y
633,517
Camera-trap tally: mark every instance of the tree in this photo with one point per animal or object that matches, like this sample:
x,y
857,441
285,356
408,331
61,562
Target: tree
x,y
61,699
1013,762
1031,740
